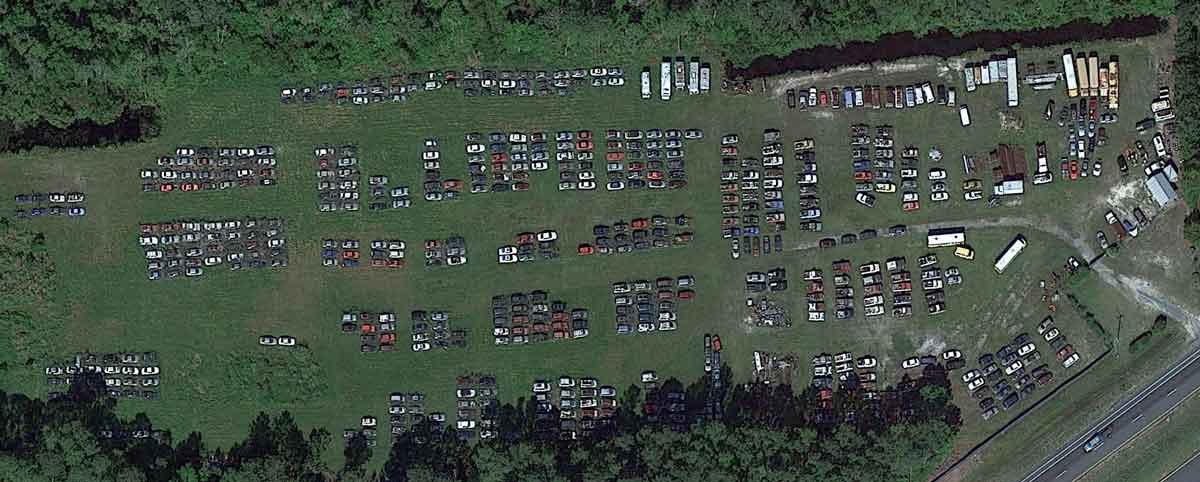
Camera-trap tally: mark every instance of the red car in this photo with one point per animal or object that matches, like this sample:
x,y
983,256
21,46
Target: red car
x,y
823,98
499,157
584,145
639,223
585,135
586,249
1074,170
864,176
615,156
911,206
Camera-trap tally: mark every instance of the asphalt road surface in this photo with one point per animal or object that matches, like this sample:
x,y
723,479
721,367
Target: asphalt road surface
x,y
1188,472
1123,423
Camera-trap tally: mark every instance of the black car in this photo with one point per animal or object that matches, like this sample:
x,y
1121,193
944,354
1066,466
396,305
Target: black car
x,y
1011,400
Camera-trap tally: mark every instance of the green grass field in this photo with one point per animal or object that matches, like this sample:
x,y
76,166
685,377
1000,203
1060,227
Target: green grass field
x,y
202,328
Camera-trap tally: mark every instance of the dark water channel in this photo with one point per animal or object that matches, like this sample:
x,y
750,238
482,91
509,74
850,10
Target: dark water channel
x,y
941,43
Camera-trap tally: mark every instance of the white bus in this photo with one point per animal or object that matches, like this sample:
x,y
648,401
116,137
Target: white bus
x,y
1012,81
1010,253
646,83
664,79
1069,71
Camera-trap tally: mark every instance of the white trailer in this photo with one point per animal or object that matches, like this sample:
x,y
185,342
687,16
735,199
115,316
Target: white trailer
x,y
705,73
1012,81
646,83
694,76
664,79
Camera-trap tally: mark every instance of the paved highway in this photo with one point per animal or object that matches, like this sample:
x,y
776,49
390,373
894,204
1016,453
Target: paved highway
x,y
1188,472
1123,423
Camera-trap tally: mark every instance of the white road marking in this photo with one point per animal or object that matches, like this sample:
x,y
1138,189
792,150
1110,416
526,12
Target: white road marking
x,y
1172,392
1139,417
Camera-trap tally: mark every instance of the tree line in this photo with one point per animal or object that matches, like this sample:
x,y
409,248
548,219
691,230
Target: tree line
x,y
1187,110
67,63
766,433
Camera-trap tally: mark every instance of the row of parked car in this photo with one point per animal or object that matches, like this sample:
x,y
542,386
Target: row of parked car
x,y
511,156
640,234
50,204
473,82
522,318
1011,370
132,375
477,407
337,178
407,409
377,331
203,168
187,247
752,205
872,96
528,247
645,307
384,197
575,408
842,366
451,251
384,253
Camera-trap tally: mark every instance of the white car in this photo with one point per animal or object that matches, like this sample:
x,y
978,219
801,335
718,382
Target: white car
x,y
975,384
616,185
1050,334
866,199
474,148
973,195
548,235
1026,349
911,362
506,250
951,355
507,259
267,340
939,196
1096,169
287,341
456,260
1070,360
368,421
649,376
1016,365
937,174
423,346
866,362
970,375
430,155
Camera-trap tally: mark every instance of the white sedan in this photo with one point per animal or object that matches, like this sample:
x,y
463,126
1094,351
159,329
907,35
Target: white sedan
x,y
937,174
548,235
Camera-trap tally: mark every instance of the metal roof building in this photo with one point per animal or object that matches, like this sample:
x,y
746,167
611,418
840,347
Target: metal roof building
x,y
1160,189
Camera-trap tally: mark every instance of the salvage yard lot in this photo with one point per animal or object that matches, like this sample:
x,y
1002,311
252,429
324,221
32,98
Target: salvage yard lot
x,y
199,327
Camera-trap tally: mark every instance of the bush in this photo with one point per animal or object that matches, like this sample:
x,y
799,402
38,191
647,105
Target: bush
x,y
1142,342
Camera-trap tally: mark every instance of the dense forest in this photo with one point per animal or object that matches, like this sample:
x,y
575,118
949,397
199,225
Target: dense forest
x,y
70,63
767,434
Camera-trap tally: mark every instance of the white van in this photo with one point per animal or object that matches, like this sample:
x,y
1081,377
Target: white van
x,y
964,116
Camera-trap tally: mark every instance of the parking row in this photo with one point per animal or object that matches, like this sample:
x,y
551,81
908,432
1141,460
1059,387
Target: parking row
x,y
39,204
130,375
194,169
524,318
187,247
639,234
399,88
643,307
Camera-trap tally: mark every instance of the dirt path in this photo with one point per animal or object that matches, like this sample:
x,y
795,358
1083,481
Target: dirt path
x,y
1139,290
